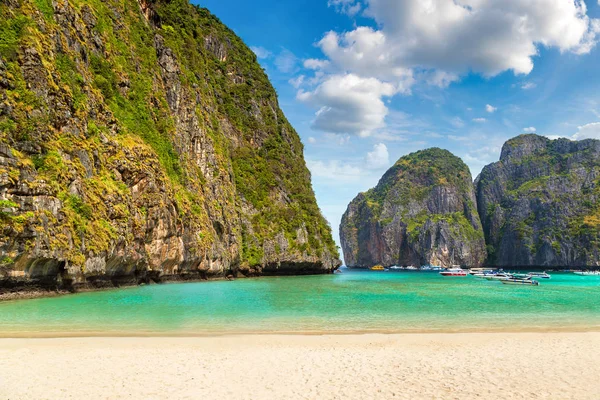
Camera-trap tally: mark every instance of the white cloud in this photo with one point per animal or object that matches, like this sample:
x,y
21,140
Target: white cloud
x,y
588,131
286,61
489,108
479,120
297,81
348,7
439,78
312,140
261,52
334,171
366,52
349,104
528,85
378,158
531,129
485,36
313,63
436,42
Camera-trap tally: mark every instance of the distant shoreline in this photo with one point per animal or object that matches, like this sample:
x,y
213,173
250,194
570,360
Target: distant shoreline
x,y
226,334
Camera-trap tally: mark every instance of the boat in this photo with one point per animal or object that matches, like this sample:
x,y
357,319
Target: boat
x,y
411,268
477,271
587,273
520,276
395,268
377,268
425,268
454,271
436,268
500,276
483,275
540,275
515,281
482,272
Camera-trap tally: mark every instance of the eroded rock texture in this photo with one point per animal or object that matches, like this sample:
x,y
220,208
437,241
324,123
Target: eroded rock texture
x,y
141,140
422,211
539,203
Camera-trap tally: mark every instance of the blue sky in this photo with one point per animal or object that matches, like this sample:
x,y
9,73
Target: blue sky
x,y
365,82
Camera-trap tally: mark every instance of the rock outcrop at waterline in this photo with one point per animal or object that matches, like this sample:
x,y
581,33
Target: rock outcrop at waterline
x,y
539,204
422,211
141,140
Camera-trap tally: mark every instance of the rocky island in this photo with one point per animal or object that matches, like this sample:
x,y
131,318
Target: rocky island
x,y
142,141
536,207
422,211
539,204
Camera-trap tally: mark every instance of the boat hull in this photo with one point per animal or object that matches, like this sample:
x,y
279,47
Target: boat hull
x,y
520,282
453,274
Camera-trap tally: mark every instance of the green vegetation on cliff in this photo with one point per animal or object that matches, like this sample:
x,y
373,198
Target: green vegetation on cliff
x,y
128,123
539,203
421,211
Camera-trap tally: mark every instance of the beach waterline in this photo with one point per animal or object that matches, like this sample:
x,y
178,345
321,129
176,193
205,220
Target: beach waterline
x,y
354,301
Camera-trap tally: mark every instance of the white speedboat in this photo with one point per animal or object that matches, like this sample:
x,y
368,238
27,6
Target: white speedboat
x,y
587,273
539,275
515,281
395,268
411,268
454,271
483,275
479,271
500,276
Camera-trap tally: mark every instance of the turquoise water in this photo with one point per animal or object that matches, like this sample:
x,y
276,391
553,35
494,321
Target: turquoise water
x,y
348,302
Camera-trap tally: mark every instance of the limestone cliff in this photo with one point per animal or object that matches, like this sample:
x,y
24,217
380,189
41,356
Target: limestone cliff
x,y
539,204
422,211
141,140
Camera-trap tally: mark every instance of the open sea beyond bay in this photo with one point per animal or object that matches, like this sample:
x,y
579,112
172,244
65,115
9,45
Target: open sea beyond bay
x,y
353,301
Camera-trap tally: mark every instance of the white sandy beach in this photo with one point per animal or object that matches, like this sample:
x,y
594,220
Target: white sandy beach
x,y
370,366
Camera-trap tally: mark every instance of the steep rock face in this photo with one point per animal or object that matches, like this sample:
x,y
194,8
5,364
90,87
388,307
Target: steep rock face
x,y
422,211
539,203
141,140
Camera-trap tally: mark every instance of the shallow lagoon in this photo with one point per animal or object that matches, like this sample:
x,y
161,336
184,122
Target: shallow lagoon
x,y
353,301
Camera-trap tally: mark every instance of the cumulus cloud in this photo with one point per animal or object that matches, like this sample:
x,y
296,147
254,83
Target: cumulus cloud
x,y
366,52
531,129
378,158
349,104
348,7
261,52
484,36
588,131
489,108
479,120
436,42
